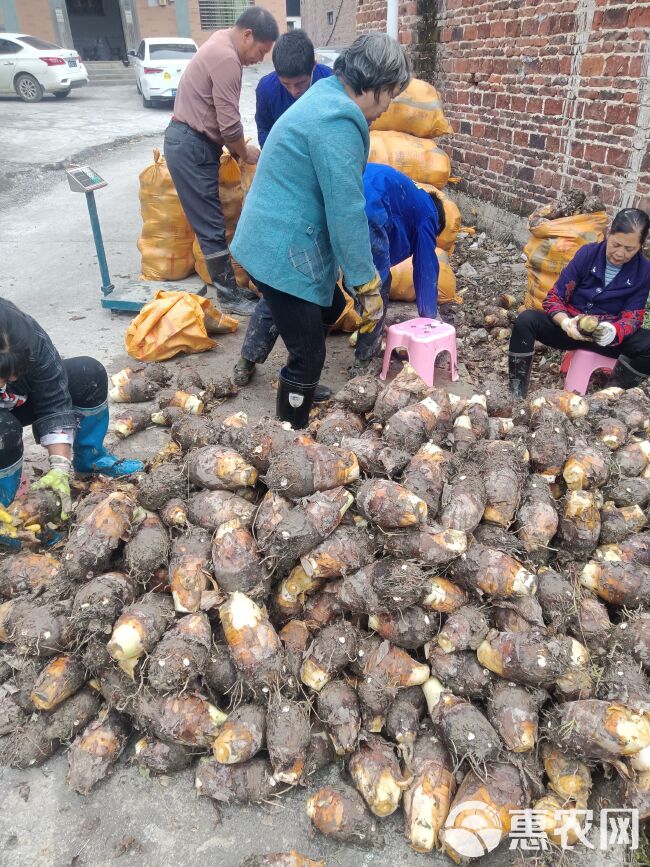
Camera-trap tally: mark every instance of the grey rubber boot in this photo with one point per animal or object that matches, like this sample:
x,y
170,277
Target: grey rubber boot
x,y
624,375
231,297
519,367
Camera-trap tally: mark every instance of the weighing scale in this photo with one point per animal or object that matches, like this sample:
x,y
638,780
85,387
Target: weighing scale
x,y
134,294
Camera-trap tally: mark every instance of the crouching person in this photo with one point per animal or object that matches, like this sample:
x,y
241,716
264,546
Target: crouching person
x,y
610,281
64,401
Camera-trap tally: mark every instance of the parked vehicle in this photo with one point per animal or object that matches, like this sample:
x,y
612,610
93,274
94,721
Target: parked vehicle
x,y
159,65
32,67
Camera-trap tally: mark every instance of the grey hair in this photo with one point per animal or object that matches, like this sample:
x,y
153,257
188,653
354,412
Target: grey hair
x,y
373,62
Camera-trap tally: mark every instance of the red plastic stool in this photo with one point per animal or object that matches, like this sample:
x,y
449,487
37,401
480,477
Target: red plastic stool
x,y
579,366
423,340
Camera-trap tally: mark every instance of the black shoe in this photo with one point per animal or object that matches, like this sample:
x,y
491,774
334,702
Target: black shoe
x,y
519,367
624,375
294,401
322,394
243,371
231,297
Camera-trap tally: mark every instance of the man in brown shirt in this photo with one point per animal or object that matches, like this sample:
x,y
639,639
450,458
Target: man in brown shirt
x,y
206,117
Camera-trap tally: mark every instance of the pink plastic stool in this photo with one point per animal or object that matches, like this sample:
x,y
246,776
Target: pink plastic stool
x,y
423,340
579,366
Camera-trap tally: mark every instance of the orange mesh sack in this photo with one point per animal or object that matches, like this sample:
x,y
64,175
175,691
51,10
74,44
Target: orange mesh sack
x,y
552,245
402,289
175,322
419,158
166,240
417,111
447,238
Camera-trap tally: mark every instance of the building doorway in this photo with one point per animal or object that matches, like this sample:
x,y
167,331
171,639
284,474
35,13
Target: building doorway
x,y
97,31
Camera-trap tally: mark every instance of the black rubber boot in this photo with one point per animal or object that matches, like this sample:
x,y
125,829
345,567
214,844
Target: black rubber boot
x,y
322,393
294,401
519,366
624,375
231,297
243,371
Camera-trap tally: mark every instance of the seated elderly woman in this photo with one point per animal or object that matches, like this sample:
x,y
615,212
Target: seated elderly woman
x,y
609,281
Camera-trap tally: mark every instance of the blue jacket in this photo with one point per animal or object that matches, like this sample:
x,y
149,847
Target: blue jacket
x,y
580,288
272,100
304,215
403,222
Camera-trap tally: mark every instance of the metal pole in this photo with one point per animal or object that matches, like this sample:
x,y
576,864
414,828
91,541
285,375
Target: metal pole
x,y
107,286
392,19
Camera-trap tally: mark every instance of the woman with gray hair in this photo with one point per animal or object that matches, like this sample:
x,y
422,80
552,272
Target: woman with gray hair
x,y
304,217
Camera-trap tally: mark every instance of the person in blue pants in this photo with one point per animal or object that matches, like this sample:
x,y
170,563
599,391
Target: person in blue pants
x,y
65,402
403,221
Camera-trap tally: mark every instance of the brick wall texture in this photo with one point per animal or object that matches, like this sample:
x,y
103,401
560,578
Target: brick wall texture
x,y
543,95
313,19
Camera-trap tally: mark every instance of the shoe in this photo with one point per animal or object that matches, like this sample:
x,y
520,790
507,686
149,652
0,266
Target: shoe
x,y
519,367
322,393
231,297
89,454
10,482
624,375
294,401
243,371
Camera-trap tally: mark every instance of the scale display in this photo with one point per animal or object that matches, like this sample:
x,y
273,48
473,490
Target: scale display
x,y
83,179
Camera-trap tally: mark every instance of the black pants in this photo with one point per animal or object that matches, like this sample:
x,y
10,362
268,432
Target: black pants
x,y
88,387
303,326
193,162
532,325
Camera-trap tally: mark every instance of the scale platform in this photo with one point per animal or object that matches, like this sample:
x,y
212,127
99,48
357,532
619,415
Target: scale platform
x,y
131,296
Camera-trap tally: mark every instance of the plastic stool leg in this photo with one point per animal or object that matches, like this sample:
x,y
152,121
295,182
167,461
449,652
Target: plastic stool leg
x,y
423,361
566,362
454,360
392,342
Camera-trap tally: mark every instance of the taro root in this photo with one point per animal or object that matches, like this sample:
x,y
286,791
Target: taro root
x,y
161,483
92,542
519,614
345,551
254,644
183,719
157,757
633,638
331,651
188,377
37,630
574,406
396,665
320,753
591,624
556,597
409,628
118,690
37,508
12,716
287,737
567,776
384,586
188,402
174,514
242,735
136,389
220,675
461,672
537,517
377,775
586,468
220,469
305,526
338,709
192,432
428,798
359,393
336,424
323,607
632,459
514,713
623,681
529,658
246,783
132,421
376,692
407,387
290,593
181,655
443,595
617,524
600,729
579,527
374,456
502,478
404,715
412,426
94,752
236,562
167,416
147,549
635,548
628,492
611,432
430,545
138,630
478,416
426,474
463,728
463,630
260,442
273,509
464,502
488,571
548,444
190,569
27,572
306,467
499,787
617,582
58,680
339,812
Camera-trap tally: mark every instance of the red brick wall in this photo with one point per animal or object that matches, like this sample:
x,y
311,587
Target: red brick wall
x,y
542,94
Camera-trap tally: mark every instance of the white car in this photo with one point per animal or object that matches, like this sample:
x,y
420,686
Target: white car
x,y
159,64
32,67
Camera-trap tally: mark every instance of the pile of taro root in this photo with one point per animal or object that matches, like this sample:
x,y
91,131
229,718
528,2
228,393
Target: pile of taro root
x,y
444,596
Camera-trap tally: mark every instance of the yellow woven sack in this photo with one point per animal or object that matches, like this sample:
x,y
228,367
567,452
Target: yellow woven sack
x,y
419,158
175,322
402,289
166,239
552,245
349,320
417,111
447,238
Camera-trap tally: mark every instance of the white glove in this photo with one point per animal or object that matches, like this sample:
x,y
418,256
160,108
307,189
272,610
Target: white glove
x,y
570,328
604,334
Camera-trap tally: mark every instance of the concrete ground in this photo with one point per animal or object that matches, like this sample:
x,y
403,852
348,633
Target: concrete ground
x,y
49,269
